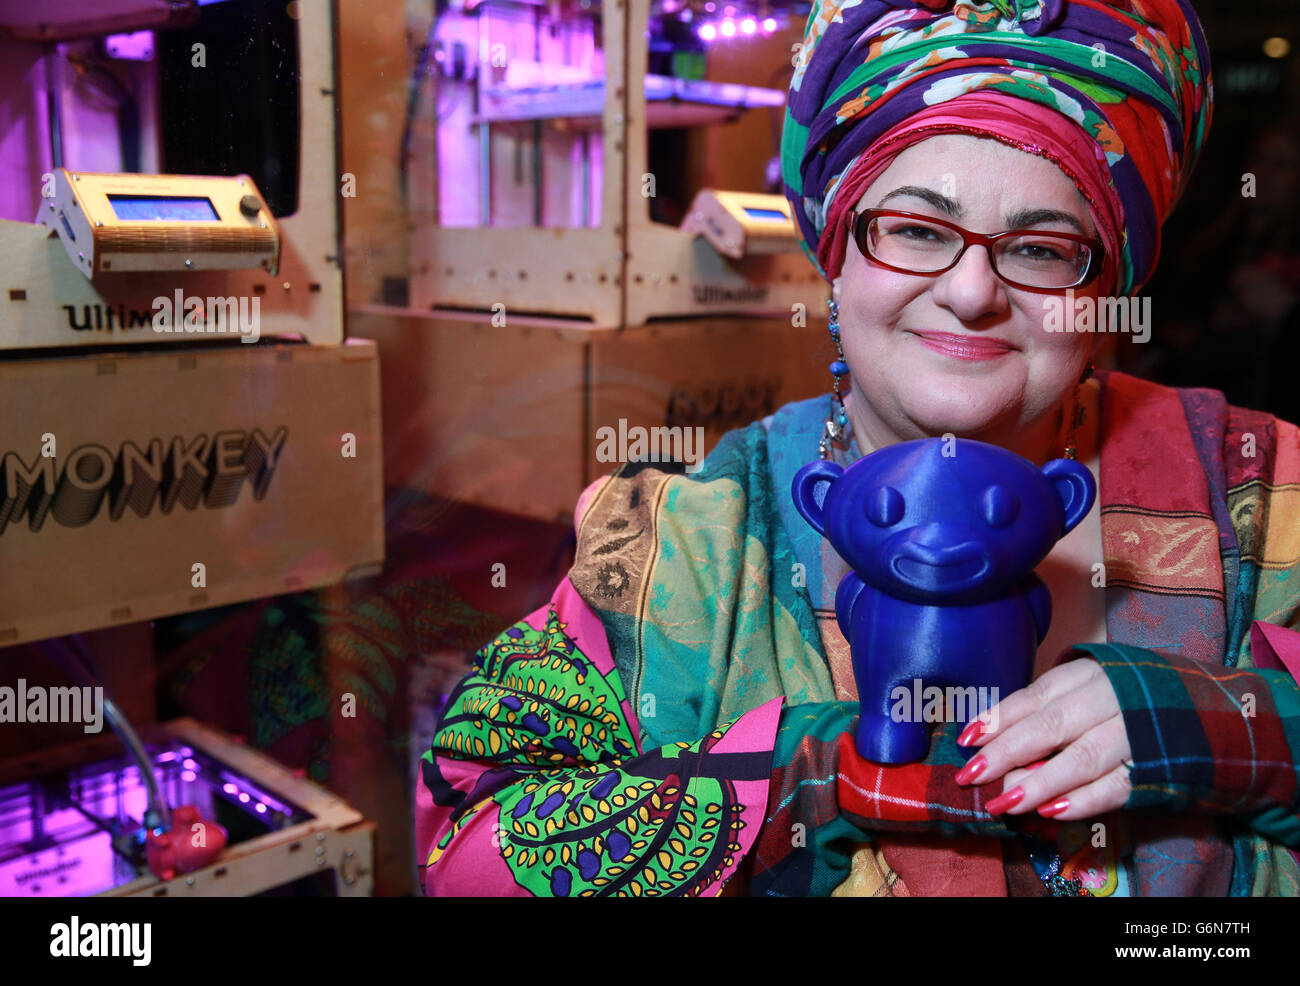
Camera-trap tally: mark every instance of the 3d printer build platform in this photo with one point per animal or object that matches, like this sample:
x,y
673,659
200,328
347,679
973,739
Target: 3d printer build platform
x,y
65,830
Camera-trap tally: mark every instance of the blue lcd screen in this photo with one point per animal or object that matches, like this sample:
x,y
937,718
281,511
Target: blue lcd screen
x,y
765,214
150,208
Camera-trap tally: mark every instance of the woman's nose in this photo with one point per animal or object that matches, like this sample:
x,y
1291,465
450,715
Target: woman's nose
x,y
972,290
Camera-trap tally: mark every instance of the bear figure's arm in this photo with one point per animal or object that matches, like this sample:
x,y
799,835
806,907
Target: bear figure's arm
x,y
1040,603
846,596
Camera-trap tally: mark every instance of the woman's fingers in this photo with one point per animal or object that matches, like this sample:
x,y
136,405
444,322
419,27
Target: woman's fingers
x,y
1071,709
1107,793
1019,705
1014,777
1086,778
1065,721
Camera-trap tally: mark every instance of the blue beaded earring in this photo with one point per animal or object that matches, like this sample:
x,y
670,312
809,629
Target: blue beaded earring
x,y
838,418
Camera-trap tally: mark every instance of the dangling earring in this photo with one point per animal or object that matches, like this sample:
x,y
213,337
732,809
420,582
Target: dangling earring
x,y
837,420
1079,414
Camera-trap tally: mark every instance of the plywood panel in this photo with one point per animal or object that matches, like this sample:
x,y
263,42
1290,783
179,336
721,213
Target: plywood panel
x,y
492,415
507,417
374,73
715,374
246,474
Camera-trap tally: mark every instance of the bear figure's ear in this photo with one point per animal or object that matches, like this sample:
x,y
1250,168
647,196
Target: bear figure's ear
x,y
1075,486
811,484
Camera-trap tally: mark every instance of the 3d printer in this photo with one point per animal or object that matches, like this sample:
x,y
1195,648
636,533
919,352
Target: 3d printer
x,y
155,171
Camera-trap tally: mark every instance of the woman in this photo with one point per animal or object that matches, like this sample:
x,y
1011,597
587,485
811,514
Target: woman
x,y
678,719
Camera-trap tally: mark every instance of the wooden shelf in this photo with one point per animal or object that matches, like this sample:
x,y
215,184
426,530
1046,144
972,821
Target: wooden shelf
x,y
670,102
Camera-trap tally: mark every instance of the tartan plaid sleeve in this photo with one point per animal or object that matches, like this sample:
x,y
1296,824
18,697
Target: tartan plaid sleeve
x,y
1203,739
1209,739
920,796
823,798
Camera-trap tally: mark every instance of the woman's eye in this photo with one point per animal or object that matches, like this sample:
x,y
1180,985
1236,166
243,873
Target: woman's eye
x,y
885,507
1000,506
923,234
1042,251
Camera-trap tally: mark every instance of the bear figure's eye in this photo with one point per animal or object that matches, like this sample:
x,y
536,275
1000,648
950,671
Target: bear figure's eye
x,y
1000,506
885,507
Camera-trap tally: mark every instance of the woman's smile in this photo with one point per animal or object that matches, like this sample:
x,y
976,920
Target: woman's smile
x,y
965,347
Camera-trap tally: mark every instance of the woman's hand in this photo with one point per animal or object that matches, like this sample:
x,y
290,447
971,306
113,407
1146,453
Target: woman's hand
x,y
1071,709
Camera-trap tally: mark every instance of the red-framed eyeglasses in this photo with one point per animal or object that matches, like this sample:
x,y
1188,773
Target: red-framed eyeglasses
x,y
1032,259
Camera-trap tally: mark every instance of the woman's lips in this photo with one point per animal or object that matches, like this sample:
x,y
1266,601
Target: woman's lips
x,y
965,346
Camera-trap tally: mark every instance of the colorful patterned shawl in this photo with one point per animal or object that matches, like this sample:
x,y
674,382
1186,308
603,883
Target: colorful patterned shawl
x,y
675,715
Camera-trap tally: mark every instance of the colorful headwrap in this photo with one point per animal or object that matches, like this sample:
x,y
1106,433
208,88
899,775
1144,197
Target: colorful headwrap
x,y
1117,94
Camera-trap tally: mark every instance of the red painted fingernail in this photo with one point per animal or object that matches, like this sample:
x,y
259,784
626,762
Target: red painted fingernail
x,y
1055,808
973,731
1035,765
1002,802
972,770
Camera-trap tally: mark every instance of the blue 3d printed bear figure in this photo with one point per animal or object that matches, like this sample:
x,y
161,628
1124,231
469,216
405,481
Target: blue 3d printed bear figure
x,y
942,536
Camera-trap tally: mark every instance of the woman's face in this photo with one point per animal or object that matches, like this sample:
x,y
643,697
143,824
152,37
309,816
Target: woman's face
x,y
908,379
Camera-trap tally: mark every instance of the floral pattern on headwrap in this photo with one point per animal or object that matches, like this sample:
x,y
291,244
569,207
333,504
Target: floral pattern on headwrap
x,y
1132,75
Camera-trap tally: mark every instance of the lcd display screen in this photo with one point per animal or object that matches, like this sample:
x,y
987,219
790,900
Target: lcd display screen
x,y
776,214
163,208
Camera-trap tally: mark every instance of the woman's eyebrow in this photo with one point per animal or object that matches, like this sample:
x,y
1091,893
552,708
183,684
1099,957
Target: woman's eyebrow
x,y
948,206
1025,218
1021,219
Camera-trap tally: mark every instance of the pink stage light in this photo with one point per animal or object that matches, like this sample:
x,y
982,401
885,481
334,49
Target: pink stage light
x,y
769,24
708,32
728,28
747,26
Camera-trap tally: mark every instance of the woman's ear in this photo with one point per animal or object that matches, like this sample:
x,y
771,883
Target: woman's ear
x,y
1074,486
